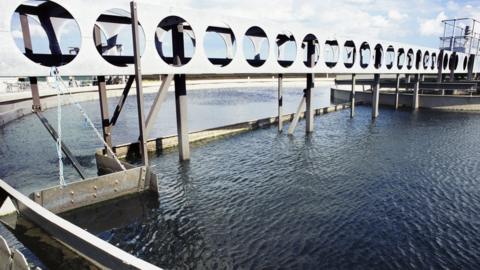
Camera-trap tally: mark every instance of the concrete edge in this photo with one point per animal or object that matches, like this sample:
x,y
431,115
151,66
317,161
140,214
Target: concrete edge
x,y
158,145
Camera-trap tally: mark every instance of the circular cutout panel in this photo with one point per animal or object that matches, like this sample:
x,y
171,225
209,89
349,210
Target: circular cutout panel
x,y
175,41
311,50
349,53
286,49
220,45
401,58
390,57
378,57
112,35
256,47
331,53
44,38
365,55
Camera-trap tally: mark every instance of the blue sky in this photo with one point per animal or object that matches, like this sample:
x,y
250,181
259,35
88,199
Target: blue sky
x,y
416,22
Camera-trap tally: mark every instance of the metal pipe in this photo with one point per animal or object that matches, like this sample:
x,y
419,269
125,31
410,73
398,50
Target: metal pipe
x,y
138,76
106,126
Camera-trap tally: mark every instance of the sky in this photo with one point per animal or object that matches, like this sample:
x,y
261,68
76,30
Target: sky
x,y
417,22
410,21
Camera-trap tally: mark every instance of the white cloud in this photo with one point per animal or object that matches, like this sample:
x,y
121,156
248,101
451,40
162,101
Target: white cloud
x,y
396,15
433,27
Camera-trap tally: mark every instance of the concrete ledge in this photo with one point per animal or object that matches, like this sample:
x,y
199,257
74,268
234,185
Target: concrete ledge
x,y
16,105
435,102
130,151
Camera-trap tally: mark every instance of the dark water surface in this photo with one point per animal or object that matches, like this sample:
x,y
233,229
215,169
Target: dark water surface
x,y
402,192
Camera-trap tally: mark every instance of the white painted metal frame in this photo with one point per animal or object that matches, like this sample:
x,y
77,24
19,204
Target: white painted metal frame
x,y
89,62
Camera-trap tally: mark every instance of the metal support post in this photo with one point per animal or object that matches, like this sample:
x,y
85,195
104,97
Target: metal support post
x,y
106,127
181,113
27,43
397,91
180,94
280,102
309,112
416,88
138,81
352,97
375,96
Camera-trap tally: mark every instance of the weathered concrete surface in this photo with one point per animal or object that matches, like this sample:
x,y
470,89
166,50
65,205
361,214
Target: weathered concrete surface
x,y
130,151
437,102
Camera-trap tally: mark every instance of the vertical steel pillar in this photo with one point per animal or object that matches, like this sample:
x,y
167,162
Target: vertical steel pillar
x,y
280,102
352,97
310,85
27,43
375,96
397,91
180,94
138,83
415,101
106,126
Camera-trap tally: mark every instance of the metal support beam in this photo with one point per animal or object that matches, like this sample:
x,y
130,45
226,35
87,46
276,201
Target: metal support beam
x,y
309,112
138,76
65,149
122,100
352,97
301,107
27,44
181,113
157,103
310,85
375,96
280,102
106,127
36,105
415,101
397,91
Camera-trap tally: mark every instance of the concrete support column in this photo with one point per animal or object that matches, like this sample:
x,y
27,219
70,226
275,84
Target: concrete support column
x,y
415,101
352,97
138,83
106,127
309,113
280,102
375,96
397,91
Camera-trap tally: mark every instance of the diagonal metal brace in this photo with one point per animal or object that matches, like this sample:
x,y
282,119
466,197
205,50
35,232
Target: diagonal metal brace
x,y
65,149
157,103
122,100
